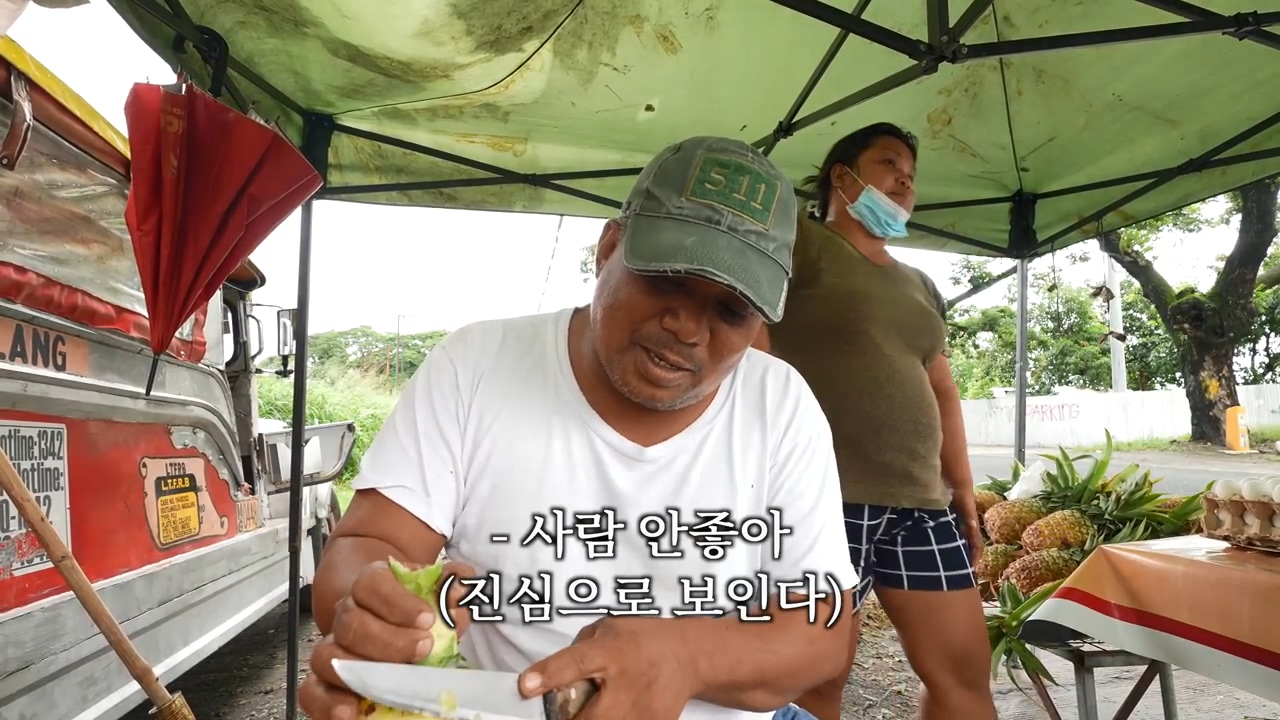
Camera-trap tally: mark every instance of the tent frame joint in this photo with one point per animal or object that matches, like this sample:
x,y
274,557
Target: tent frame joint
x,y
317,138
1248,24
212,49
1022,224
782,131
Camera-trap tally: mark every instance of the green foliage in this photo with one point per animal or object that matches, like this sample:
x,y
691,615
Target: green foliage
x,y
1151,355
587,263
972,272
1066,344
1259,359
334,394
983,348
1065,341
1192,219
392,358
352,377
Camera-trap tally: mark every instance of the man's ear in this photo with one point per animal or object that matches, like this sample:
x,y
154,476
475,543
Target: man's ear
x,y
610,239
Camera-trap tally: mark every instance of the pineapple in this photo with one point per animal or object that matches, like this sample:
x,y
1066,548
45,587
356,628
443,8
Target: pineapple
x,y
1006,521
1045,587
1040,568
1062,529
444,652
993,491
994,560
986,499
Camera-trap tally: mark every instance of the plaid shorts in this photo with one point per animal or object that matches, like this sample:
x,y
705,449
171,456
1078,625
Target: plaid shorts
x,y
906,549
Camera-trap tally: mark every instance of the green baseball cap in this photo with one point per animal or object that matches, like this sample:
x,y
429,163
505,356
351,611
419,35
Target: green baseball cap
x,y
717,209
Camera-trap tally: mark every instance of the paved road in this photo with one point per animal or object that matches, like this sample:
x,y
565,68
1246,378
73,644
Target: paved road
x,y
1183,472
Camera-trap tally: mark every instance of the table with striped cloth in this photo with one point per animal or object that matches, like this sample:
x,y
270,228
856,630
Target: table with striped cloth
x,y
1192,602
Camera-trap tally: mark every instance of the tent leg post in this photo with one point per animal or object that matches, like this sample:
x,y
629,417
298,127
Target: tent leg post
x,y
296,459
1020,366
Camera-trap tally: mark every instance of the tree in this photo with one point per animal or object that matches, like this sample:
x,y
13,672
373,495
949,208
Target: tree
x,y
983,343
1066,338
1151,358
975,274
1259,360
1207,327
587,266
373,352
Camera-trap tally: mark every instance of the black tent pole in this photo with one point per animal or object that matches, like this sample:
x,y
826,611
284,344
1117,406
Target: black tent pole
x,y
315,147
296,459
1020,364
1022,244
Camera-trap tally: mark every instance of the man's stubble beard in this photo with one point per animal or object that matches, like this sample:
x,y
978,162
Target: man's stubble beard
x,y
613,371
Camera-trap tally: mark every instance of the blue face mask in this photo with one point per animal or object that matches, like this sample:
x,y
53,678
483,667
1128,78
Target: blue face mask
x,y
877,212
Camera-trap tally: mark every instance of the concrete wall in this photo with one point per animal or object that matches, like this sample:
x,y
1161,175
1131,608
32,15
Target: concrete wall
x,y
1076,418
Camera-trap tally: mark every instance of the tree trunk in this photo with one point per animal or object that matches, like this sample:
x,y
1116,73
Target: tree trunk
x,y
1210,384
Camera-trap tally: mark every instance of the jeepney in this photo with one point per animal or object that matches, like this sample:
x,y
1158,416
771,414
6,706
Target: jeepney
x,y
174,503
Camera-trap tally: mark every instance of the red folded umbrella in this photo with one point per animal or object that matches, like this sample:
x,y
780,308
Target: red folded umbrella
x,y
209,184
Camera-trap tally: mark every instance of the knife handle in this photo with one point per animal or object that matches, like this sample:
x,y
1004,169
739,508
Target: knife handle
x,y
565,703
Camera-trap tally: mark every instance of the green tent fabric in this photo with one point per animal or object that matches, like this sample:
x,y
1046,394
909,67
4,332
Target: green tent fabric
x,y
1118,124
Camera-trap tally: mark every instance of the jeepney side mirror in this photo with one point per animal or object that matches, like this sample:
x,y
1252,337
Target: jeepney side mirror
x,y
284,334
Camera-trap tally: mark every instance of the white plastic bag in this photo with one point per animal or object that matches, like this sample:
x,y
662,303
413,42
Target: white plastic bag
x,y
1030,484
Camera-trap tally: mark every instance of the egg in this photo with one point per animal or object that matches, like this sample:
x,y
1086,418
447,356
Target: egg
x,y
1255,490
1226,489
1272,481
1275,494
1224,516
1249,518
1275,520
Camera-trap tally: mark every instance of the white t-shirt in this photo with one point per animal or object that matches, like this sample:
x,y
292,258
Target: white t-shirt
x,y
493,430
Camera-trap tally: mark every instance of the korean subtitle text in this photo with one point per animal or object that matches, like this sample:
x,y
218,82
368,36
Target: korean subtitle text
x,y
713,534
549,529
534,599
597,530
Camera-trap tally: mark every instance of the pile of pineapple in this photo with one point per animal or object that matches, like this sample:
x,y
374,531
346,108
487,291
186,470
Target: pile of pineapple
x,y
1040,540
1035,543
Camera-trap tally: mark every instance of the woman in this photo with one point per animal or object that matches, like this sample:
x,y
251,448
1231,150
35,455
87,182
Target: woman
x,y
868,335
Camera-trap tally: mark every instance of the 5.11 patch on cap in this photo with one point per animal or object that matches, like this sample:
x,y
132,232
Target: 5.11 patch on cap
x,y
735,185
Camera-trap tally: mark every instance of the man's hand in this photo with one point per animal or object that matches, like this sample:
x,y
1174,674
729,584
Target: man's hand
x,y
966,509
639,663
381,621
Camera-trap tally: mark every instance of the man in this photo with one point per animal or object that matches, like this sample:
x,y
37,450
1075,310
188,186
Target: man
x,y
648,405
867,333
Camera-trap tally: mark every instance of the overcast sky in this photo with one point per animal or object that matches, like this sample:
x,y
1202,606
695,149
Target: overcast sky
x,y
439,269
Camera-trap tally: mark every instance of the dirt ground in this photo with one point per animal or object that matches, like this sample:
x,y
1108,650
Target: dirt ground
x,y
245,680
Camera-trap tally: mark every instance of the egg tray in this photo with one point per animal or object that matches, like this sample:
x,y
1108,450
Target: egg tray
x,y
1258,534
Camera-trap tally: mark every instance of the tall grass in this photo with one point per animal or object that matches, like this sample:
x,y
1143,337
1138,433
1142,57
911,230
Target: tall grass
x,y
334,394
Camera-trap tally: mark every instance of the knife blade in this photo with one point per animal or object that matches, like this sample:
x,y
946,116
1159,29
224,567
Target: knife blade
x,y
454,693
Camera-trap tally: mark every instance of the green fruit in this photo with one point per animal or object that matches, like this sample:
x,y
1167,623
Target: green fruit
x,y
425,584
444,648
